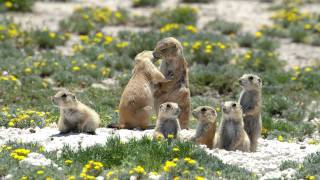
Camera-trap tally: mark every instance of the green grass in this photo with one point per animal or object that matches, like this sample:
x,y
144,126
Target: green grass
x,y
116,155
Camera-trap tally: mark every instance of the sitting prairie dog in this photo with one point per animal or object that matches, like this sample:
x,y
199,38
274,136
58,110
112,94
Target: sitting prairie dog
x,y
231,135
250,101
206,127
75,116
167,121
136,104
174,67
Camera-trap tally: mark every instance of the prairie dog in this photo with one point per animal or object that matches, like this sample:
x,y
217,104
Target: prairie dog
x,y
174,67
75,116
206,127
231,135
250,101
136,104
167,121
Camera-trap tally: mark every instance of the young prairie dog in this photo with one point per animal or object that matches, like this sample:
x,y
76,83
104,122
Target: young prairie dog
x,y
231,135
206,127
136,104
250,101
75,116
167,121
174,67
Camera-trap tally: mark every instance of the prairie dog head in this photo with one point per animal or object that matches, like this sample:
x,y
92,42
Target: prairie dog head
x,y
169,109
232,110
64,98
205,113
250,82
167,48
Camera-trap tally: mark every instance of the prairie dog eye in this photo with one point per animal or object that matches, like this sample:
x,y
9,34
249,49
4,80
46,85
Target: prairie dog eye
x,y
234,105
168,106
163,50
250,78
203,109
64,95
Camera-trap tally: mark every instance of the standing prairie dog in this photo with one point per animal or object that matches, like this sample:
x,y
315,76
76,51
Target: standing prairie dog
x,y
167,121
174,67
136,104
206,127
250,101
75,116
231,135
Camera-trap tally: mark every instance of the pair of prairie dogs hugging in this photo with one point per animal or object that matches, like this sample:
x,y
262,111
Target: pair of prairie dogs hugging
x,y
166,92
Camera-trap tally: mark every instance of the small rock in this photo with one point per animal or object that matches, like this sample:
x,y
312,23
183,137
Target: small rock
x,y
32,130
35,159
302,147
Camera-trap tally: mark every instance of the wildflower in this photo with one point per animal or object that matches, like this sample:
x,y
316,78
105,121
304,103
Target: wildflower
x,y
41,149
84,38
11,124
308,69
108,40
68,162
24,178
48,178
208,49
296,68
154,173
185,44
199,178
122,44
310,177
8,4
75,68
110,173
191,29
280,138
258,34
169,165
118,15
170,136
20,154
192,162
40,172
12,33
218,173
139,170
313,141
169,27
52,35
196,45
99,35
71,178
307,26
176,178
187,159
175,160
175,149
293,78
27,70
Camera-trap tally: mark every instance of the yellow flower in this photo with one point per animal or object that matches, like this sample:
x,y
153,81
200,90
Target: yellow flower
x,y
176,178
48,178
308,69
11,124
191,29
8,4
108,40
313,141
199,178
192,162
175,149
258,34
71,178
307,26
185,44
75,68
175,160
154,173
122,44
218,173
118,14
187,159
221,46
196,45
99,35
52,35
24,178
40,172
84,38
139,170
110,173
12,33
310,178
169,165
170,136
280,138
296,68
27,70
169,27
68,162
293,78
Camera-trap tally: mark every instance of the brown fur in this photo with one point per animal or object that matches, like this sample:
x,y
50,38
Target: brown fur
x,y
75,116
231,135
174,67
167,121
206,127
136,104
250,101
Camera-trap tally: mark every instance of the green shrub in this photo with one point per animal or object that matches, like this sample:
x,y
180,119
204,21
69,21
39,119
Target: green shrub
x,y
223,26
16,5
197,1
180,15
297,33
47,40
144,3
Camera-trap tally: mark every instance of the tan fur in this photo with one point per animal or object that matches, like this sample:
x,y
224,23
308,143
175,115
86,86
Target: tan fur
x,y
167,121
206,127
250,101
174,67
231,135
136,104
75,116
